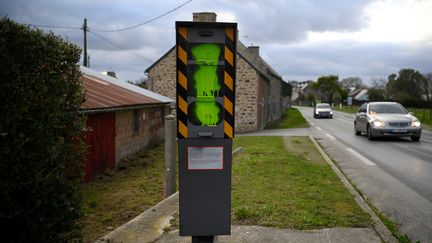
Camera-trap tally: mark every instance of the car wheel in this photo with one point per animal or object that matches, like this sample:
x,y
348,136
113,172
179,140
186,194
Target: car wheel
x,y
415,138
357,132
369,133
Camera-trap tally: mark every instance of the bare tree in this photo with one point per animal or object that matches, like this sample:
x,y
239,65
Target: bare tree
x,y
379,83
350,82
378,91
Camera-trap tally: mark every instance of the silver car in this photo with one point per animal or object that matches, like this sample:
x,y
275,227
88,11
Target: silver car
x,y
322,110
380,119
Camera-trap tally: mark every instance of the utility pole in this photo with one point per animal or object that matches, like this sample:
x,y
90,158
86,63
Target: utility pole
x,y
85,43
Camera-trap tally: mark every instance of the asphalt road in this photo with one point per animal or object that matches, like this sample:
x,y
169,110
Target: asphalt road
x,y
394,174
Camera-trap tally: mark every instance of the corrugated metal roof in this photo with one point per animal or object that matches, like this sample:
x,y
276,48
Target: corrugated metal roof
x,y
104,92
124,84
360,95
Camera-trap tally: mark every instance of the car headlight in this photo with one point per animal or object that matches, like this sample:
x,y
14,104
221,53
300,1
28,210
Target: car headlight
x,y
415,123
316,112
331,112
378,123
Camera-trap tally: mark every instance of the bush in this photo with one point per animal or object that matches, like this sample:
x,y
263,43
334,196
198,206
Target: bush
x,y
41,149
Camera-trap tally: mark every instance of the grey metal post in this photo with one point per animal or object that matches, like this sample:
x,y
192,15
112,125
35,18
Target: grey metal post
x,y
170,155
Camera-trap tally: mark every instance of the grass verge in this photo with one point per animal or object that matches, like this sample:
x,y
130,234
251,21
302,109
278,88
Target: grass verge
x,y
292,118
285,183
424,115
116,197
277,182
347,109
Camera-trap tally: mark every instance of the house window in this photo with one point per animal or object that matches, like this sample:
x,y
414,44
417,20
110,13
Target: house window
x,y
136,122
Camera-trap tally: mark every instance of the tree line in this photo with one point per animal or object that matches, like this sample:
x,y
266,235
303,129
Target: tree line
x,y
409,87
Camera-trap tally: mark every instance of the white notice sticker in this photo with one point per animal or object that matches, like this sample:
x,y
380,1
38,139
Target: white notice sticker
x,y
205,158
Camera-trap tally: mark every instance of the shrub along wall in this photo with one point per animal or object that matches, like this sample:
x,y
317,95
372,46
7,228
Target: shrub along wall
x,y
41,153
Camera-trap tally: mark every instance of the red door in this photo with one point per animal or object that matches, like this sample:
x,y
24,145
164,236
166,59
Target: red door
x,y
100,139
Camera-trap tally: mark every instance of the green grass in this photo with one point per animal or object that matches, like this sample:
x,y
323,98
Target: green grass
x,y
271,186
347,109
289,189
425,115
117,196
291,119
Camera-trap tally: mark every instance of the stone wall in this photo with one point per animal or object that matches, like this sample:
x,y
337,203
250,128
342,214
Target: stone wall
x,y
263,102
162,76
246,97
275,100
138,129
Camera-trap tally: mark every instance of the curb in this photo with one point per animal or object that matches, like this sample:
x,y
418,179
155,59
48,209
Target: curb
x,y
237,151
147,226
379,226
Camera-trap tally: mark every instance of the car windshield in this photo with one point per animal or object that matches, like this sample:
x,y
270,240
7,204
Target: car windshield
x,y
323,106
386,109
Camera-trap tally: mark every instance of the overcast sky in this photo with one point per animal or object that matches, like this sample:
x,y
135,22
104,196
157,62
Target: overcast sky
x,y
300,39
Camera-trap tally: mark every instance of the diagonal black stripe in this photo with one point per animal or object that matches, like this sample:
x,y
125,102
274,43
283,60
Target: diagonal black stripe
x,y
229,44
229,93
230,69
181,117
181,41
229,118
181,66
182,92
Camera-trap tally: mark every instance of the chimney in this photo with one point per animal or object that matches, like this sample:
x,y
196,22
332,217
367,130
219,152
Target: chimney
x,y
204,17
254,50
112,74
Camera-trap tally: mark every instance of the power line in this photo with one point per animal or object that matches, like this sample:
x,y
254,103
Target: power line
x,y
146,22
115,30
115,45
55,27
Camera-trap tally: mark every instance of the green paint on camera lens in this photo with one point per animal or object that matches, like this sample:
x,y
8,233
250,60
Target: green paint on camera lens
x,y
206,83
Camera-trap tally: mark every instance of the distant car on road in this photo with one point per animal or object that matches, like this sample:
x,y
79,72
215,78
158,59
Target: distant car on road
x,y
322,110
382,119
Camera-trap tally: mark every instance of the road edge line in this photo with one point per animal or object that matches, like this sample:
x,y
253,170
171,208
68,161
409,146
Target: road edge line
x,y
365,160
379,227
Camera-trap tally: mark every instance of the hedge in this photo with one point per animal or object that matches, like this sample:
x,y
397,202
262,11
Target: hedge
x,y
41,148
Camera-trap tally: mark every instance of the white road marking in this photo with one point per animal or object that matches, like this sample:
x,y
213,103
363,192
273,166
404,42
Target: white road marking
x,y
344,121
361,157
330,136
313,124
426,140
319,128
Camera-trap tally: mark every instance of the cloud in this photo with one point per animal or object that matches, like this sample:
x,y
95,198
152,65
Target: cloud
x,y
344,58
301,39
278,21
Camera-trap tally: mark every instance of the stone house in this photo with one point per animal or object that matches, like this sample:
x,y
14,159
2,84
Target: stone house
x,y
121,120
304,94
299,91
259,101
359,96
